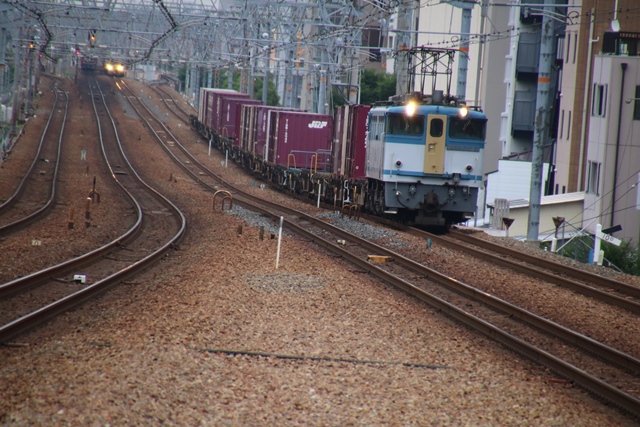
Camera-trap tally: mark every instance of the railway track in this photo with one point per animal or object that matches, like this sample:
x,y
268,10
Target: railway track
x,y
176,107
608,373
158,226
36,193
598,287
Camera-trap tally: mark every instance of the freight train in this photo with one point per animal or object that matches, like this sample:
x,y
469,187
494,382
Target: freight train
x,y
88,63
416,159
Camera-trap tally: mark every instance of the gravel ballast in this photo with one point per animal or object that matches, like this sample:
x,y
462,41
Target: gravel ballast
x,y
215,335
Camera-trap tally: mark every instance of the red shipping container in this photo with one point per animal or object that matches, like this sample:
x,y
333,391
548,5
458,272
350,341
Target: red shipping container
x,y
205,104
213,105
230,116
300,140
356,151
252,132
258,127
340,138
349,140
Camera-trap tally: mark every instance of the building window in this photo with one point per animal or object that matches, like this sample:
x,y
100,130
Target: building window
x,y
371,38
561,125
636,105
568,48
569,127
575,47
593,177
599,106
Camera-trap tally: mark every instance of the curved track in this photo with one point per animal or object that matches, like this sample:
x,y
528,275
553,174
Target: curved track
x,y
598,287
36,193
604,371
158,226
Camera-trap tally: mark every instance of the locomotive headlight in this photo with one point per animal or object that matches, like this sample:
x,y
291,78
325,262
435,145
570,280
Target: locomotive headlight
x,y
411,108
463,111
108,67
119,68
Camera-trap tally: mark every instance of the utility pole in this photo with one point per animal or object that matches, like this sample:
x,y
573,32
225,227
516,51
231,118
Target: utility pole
x,y
541,121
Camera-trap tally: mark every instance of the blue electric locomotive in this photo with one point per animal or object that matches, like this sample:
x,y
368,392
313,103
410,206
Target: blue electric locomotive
x,y
424,160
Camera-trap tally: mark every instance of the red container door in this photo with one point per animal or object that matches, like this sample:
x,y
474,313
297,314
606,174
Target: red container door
x,y
303,140
358,127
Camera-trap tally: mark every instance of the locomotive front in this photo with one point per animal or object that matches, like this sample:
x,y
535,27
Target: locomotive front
x,y
424,160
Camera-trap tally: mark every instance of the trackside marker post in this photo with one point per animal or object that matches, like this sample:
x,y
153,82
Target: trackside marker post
x,y
597,259
279,241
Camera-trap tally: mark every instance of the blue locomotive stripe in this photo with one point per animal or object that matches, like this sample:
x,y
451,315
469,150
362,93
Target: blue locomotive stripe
x,y
417,174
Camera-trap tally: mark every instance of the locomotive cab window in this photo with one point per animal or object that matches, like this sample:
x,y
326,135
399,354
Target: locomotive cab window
x,y
400,124
467,128
436,127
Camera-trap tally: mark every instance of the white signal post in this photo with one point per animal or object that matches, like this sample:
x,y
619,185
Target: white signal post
x,y
599,237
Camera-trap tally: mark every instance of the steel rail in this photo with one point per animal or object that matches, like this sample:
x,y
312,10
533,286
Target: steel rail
x,y
35,318
630,305
576,273
610,393
50,203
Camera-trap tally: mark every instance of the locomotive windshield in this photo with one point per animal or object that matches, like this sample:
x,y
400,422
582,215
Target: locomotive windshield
x,y
400,124
467,128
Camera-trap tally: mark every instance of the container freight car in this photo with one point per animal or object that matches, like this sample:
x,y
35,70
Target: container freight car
x,y
210,108
254,127
416,159
230,112
350,140
300,140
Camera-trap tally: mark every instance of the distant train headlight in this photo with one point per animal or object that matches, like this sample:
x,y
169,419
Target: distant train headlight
x,y
108,67
120,68
463,111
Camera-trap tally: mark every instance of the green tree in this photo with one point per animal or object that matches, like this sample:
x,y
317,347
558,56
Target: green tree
x,y
625,257
272,93
376,86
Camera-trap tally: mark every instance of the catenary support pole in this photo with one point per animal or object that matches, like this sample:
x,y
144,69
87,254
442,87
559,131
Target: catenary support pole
x,y
541,121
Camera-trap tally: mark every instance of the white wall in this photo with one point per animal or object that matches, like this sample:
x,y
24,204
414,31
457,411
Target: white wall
x,y
512,181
